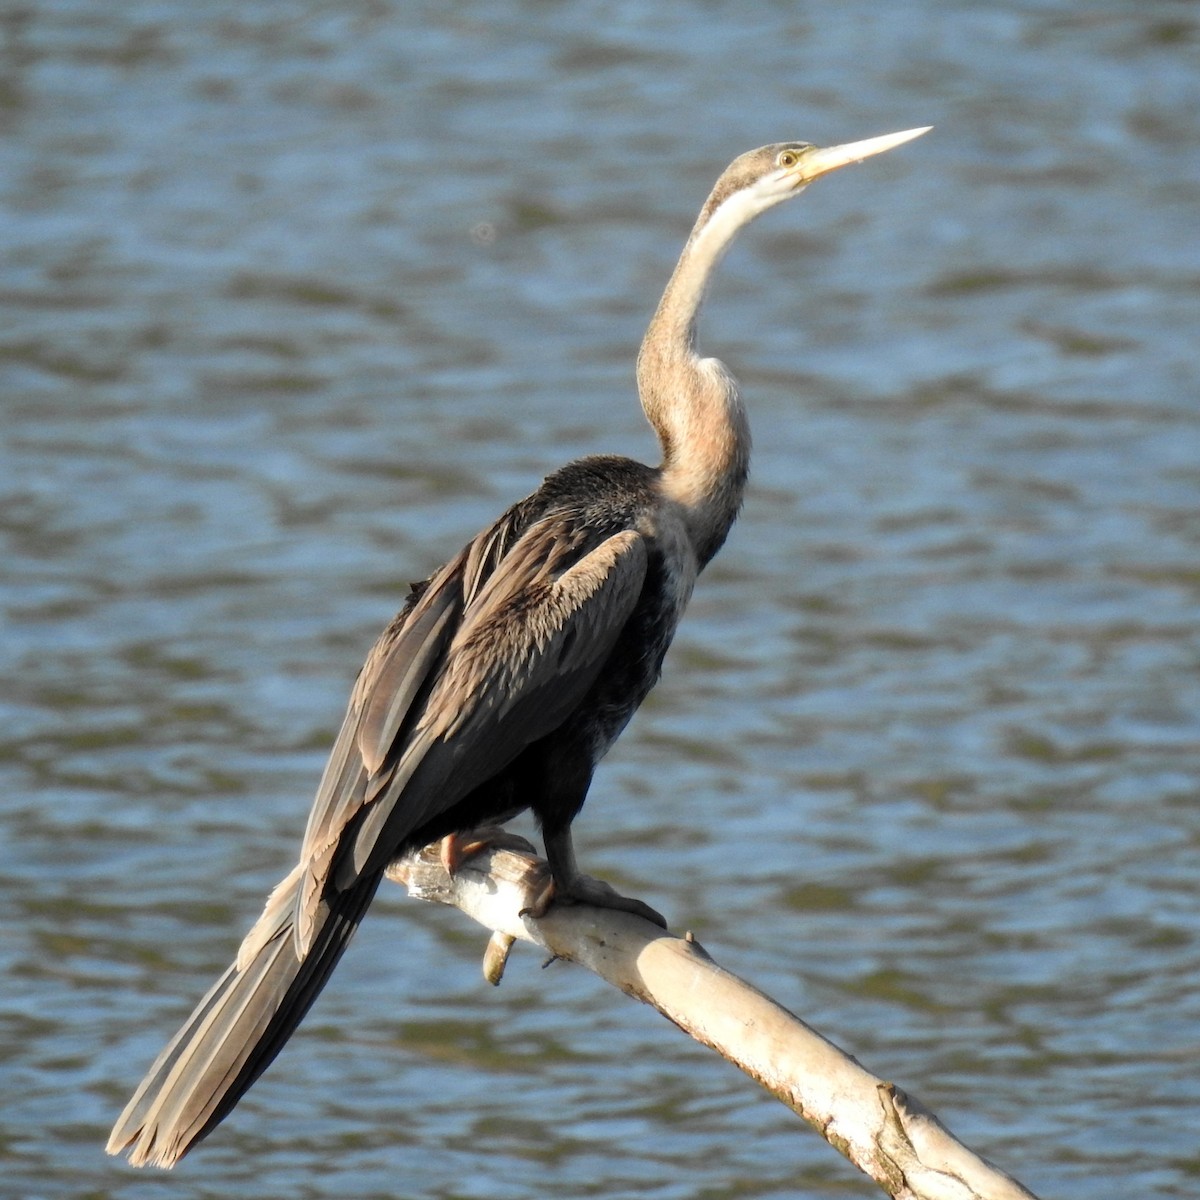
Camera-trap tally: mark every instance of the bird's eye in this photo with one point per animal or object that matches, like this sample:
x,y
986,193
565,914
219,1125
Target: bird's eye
x,y
787,158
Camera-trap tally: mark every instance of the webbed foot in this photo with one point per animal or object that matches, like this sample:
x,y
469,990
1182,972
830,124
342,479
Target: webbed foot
x,y
582,889
455,848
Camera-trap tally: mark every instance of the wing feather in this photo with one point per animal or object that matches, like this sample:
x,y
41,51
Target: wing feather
x,y
524,658
491,655
399,678
397,672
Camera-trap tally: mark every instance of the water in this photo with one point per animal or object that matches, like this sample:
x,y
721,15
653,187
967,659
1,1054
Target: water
x,y
295,297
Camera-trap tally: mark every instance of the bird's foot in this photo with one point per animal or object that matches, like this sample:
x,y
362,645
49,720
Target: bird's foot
x,y
455,848
582,889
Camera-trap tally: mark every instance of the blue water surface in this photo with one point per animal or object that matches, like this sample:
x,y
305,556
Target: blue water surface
x,y
296,296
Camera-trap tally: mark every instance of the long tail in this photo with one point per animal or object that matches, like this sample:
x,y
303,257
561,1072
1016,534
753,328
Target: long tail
x,y
239,1026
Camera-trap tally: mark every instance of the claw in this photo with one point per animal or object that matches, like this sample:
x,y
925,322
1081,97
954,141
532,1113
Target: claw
x,y
542,899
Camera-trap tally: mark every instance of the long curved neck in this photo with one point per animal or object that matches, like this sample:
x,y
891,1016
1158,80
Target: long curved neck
x,y
693,403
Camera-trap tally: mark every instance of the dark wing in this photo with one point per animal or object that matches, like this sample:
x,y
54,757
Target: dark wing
x,y
493,653
498,650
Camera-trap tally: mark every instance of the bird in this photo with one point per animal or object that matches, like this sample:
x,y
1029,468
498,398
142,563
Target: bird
x,y
502,682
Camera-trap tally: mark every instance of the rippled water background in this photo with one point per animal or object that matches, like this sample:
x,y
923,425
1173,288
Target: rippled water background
x,y
297,296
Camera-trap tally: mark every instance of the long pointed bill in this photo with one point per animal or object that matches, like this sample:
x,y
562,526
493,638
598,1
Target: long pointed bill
x,y
821,161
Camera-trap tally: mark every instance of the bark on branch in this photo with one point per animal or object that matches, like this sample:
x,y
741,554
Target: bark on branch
x,y
887,1134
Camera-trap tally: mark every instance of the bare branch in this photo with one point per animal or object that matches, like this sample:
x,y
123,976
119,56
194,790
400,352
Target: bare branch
x,y
887,1134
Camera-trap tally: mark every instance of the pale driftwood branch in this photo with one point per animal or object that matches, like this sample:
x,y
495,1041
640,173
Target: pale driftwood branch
x,y
888,1135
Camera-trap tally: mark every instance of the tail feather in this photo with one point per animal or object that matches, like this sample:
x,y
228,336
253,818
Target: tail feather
x,y
238,1028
